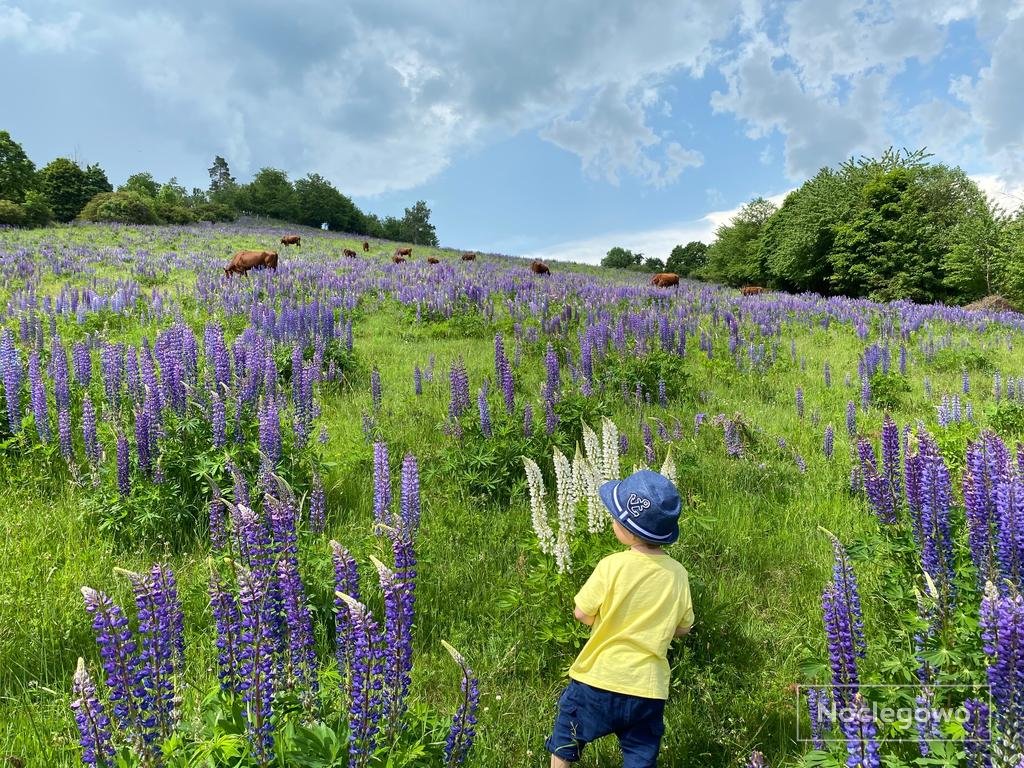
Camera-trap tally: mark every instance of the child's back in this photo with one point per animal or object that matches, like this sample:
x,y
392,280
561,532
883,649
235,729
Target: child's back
x,y
638,601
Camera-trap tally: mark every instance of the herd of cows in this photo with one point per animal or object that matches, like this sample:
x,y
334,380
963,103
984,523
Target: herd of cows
x,y
243,261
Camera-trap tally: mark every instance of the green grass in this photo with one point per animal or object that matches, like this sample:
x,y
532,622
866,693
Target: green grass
x,y
750,537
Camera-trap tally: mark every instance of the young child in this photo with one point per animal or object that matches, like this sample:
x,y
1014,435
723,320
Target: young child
x,y
636,602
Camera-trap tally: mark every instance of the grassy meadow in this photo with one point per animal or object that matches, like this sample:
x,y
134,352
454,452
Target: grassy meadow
x,y
751,536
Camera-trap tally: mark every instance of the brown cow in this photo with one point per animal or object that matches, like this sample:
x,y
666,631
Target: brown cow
x,y
398,259
349,253
538,267
433,260
665,280
403,252
751,290
366,247
243,261
291,240
468,256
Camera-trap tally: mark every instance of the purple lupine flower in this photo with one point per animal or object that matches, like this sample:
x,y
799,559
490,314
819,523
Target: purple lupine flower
x,y
64,433
698,419
844,627
92,721
801,465
828,374
317,506
965,380
124,485
375,393
458,381
891,462
865,393
218,420
988,470
117,646
933,529
346,582
927,386
586,365
270,431
59,373
463,728
662,394
364,684
528,421
861,735
649,456
381,484
410,492
37,397
228,619
503,374
92,446
397,647
756,760
485,412
828,443
218,528
157,648
300,649
977,736
851,419
11,372
733,442
1009,548
550,417
800,402
81,361
818,705
1001,618
417,380
552,381
256,647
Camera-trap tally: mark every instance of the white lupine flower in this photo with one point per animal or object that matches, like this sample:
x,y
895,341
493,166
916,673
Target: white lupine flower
x,y
538,509
567,498
597,518
591,445
668,468
610,449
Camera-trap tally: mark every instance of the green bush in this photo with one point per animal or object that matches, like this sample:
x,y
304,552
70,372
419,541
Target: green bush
x,y
12,214
888,389
174,213
123,207
214,212
1007,419
38,212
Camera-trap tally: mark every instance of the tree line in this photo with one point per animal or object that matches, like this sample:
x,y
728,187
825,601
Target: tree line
x,y
887,228
63,191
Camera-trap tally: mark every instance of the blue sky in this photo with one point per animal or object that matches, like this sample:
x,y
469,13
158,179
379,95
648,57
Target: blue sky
x,y
552,129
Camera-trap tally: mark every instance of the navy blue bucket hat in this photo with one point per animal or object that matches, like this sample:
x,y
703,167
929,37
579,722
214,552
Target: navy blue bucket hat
x,y
646,504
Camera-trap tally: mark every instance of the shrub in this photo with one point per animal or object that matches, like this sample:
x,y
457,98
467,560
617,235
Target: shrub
x,y
1007,419
625,371
37,211
888,389
173,213
123,207
12,214
214,212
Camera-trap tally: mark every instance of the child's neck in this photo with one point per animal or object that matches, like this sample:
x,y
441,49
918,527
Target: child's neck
x,y
646,549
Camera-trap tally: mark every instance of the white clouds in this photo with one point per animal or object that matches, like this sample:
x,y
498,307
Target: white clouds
x,y
613,137
37,36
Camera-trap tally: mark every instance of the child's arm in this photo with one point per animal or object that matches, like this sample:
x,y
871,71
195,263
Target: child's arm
x,y
683,631
583,617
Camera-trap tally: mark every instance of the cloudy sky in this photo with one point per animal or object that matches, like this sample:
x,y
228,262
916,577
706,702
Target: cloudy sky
x,y
554,128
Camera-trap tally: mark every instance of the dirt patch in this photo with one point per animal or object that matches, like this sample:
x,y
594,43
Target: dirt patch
x,y
993,303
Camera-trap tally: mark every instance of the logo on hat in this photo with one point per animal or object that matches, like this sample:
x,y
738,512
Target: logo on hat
x,y
637,504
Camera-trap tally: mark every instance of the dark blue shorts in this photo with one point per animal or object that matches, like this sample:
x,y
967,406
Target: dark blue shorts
x,y
586,713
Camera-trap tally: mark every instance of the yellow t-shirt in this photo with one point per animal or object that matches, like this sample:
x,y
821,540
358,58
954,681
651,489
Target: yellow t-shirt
x,y
638,601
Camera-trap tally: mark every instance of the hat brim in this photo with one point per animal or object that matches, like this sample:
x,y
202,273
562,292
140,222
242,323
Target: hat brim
x,y
607,493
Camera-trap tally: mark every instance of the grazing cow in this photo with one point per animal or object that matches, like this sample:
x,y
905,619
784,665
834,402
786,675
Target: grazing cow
x,y
243,261
350,253
665,280
433,260
366,247
538,267
398,259
291,240
403,252
751,290
468,256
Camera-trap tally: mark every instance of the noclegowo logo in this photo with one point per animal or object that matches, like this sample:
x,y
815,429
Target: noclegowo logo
x,y
898,712
637,504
